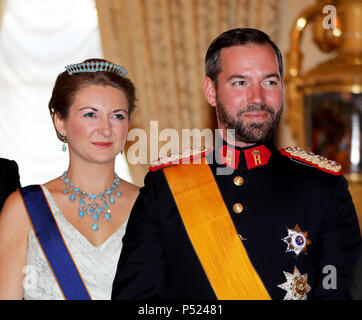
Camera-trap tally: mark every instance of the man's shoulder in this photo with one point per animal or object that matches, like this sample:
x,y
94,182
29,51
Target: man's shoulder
x,y
310,162
8,166
156,178
181,157
6,162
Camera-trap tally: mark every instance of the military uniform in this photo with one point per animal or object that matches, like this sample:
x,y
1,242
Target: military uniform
x,y
297,223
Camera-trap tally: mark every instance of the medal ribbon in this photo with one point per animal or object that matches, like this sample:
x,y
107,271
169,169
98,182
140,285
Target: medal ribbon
x,y
213,234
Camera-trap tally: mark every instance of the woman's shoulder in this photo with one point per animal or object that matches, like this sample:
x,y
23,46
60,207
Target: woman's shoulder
x,y
14,212
54,185
130,188
15,205
14,201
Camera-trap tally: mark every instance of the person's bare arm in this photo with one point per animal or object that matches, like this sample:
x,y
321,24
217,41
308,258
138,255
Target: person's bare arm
x,y
14,232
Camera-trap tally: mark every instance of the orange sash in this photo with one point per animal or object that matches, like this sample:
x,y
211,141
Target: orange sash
x,y
213,234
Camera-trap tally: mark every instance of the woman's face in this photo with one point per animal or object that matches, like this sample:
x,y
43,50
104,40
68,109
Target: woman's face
x,y
97,124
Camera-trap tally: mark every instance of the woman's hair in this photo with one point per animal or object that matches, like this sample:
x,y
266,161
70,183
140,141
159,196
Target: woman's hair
x,y
67,85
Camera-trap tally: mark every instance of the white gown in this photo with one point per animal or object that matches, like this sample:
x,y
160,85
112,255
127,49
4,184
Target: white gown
x,y
97,265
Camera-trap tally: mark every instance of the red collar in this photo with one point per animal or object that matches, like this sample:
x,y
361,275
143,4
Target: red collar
x,y
255,157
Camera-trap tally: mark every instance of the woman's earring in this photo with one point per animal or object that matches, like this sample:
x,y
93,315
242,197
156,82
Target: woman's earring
x,y
64,146
121,151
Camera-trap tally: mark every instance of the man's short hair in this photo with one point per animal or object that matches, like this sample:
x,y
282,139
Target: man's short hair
x,y
237,37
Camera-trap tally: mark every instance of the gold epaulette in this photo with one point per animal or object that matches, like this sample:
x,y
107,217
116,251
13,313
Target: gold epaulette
x,y
184,156
314,160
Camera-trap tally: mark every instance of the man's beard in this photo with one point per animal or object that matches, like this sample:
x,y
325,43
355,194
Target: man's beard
x,y
250,132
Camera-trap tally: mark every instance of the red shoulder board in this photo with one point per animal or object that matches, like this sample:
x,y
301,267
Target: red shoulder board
x,y
184,156
314,160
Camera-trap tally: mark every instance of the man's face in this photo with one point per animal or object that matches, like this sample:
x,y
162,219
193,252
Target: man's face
x,y
248,97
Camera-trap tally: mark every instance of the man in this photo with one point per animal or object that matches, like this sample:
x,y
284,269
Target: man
x,y
253,223
9,179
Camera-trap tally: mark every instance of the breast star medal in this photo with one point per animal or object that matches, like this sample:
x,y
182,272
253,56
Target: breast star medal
x,y
297,240
296,285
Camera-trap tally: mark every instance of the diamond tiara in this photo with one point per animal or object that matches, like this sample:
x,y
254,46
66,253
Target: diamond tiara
x,y
96,66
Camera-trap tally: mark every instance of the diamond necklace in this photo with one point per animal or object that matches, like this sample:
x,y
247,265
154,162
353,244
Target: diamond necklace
x,y
99,203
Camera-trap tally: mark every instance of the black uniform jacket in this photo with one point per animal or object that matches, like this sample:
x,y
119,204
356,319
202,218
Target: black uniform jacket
x,y
158,260
9,179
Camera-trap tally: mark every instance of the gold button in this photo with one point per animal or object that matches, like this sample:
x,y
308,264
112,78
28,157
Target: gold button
x,y
238,207
239,181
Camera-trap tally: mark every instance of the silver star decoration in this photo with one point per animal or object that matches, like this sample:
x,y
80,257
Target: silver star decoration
x,y
296,286
297,240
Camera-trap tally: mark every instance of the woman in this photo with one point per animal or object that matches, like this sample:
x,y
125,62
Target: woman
x,y
90,106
